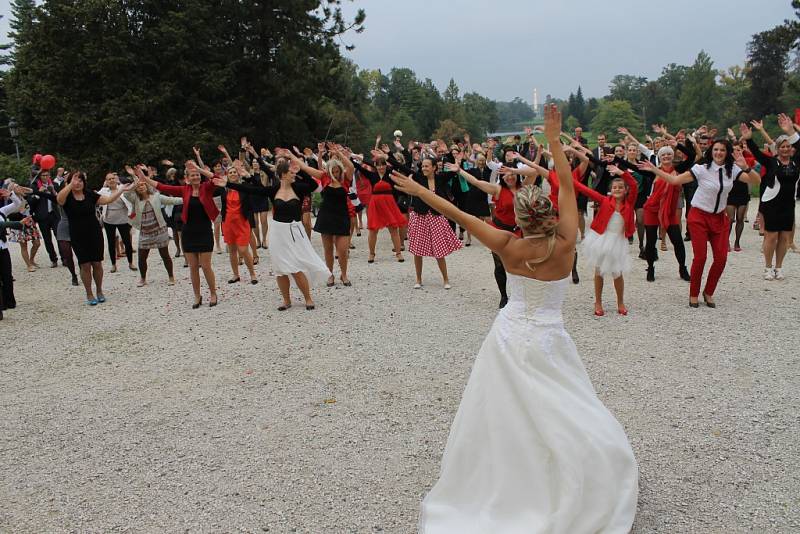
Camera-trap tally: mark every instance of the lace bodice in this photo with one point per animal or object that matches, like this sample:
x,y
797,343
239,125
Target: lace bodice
x,y
534,300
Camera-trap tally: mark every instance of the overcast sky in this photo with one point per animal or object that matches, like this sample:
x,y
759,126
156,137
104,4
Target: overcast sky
x,y
505,48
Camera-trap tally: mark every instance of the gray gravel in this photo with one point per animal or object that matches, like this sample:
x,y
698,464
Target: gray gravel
x,y
144,415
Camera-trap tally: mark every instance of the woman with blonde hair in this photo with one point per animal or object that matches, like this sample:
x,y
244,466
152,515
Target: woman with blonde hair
x,y
532,448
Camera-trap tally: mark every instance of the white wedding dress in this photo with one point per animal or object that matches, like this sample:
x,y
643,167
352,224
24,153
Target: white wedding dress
x,y
532,449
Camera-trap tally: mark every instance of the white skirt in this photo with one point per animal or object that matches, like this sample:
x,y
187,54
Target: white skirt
x,y
291,252
608,252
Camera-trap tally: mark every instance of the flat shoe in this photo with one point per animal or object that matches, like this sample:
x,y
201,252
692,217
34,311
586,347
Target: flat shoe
x,y
447,286
253,281
234,280
417,286
347,284
284,307
101,299
91,302
310,307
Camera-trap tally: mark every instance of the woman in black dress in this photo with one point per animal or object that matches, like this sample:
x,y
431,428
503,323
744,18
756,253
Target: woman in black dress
x,y
333,219
476,201
738,199
199,210
777,201
86,236
289,247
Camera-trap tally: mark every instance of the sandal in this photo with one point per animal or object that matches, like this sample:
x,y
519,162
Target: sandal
x,y
346,283
622,310
400,258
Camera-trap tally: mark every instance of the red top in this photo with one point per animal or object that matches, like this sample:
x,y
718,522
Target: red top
x,y
504,210
662,204
552,177
608,205
206,195
364,189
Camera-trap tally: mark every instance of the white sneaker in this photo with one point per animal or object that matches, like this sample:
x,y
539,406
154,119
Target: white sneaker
x,y
769,273
779,274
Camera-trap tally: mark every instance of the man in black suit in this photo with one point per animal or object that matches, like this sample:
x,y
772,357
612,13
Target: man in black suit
x,y
44,213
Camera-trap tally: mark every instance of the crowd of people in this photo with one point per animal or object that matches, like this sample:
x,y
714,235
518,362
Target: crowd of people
x,y
687,186
526,202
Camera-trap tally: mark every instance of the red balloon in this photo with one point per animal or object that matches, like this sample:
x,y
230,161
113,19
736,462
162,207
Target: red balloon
x,y
37,158
47,162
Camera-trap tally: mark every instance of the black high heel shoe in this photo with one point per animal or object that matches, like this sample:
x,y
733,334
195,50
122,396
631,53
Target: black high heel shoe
x,y
708,302
213,303
197,304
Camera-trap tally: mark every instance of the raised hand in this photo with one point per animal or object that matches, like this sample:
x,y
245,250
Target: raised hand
x,y
745,131
451,167
376,154
645,165
738,158
27,221
786,124
385,148
220,181
196,152
222,149
758,125
613,169
167,162
623,131
552,123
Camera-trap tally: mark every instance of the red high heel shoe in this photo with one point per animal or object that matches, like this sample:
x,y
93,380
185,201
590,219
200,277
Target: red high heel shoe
x,y
622,310
600,312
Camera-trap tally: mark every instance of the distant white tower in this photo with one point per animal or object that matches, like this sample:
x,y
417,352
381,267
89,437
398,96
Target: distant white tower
x,y
535,101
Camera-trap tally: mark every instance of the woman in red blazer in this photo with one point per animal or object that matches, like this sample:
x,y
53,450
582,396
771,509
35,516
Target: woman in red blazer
x,y
606,242
198,237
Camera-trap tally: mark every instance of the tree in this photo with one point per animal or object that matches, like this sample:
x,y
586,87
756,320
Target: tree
x,y
580,107
734,89
698,100
611,114
108,83
509,114
628,88
767,60
448,130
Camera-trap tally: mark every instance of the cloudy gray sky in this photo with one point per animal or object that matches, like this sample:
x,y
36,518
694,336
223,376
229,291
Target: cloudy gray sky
x,y
505,48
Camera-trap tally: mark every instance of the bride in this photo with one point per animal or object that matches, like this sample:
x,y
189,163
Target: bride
x,y
532,449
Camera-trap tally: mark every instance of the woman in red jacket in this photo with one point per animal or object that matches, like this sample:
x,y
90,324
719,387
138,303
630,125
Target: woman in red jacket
x,y
606,242
199,210
661,209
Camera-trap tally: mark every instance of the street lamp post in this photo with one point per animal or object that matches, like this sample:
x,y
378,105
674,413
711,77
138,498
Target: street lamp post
x,y
13,129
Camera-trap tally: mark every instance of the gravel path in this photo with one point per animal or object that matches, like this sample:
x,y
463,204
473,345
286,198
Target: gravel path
x,y
143,415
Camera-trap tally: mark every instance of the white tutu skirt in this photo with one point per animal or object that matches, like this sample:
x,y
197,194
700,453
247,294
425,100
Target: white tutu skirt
x,y
608,252
291,252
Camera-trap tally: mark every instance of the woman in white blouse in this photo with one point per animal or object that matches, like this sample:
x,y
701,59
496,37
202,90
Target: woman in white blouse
x,y
707,221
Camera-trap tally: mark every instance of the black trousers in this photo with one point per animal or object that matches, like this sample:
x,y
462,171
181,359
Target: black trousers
x,y
674,233
47,227
7,300
500,276
125,234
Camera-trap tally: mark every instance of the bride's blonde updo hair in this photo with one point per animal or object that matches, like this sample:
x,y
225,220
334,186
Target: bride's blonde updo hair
x,y
536,217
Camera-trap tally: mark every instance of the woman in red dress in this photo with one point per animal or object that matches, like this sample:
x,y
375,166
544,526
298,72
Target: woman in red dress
x,y
236,208
382,211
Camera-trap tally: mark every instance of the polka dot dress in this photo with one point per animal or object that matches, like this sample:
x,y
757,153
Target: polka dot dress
x,y
431,236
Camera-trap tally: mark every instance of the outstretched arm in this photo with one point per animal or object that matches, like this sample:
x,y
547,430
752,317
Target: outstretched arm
x,y
486,187
493,238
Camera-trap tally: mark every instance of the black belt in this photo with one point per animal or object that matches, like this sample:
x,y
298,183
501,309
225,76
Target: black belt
x,y
506,227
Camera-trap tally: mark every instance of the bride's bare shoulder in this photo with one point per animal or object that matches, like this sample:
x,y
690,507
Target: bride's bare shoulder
x,y
521,257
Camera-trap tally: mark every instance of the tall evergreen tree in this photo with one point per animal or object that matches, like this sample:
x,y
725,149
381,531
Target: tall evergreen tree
x,y
767,59
698,101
